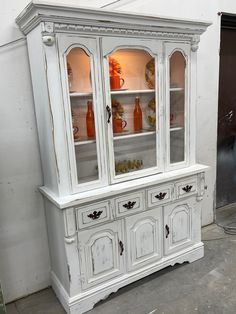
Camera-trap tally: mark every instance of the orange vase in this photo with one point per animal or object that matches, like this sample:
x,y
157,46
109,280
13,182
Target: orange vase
x,y
138,123
90,120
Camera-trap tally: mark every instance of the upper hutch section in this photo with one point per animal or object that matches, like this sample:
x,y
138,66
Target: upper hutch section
x,y
112,93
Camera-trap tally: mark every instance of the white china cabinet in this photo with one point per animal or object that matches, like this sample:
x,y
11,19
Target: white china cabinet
x,y
115,101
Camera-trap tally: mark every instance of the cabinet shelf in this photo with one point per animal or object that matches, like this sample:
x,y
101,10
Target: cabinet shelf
x,y
88,94
132,91
131,135
176,89
84,142
177,128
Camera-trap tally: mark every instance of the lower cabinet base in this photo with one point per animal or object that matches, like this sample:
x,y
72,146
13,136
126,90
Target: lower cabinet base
x,y
86,300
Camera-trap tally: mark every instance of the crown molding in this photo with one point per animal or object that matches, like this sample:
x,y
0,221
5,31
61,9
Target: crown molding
x,y
73,16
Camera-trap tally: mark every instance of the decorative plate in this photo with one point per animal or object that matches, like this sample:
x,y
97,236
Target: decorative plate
x,y
151,112
150,73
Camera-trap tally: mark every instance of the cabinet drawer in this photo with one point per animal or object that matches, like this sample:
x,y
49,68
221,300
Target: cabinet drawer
x,y
129,204
159,195
186,187
93,214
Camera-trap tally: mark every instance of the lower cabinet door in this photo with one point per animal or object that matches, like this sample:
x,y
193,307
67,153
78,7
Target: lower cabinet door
x,y
178,226
144,238
101,252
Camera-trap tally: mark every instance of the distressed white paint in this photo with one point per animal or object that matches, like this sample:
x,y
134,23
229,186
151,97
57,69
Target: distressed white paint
x,y
123,249
100,254
144,238
22,232
189,136
129,204
207,76
178,226
90,46
101,209
103,254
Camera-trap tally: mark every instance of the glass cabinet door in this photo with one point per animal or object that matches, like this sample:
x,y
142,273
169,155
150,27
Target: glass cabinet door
x,y
177,111
133,106
83,122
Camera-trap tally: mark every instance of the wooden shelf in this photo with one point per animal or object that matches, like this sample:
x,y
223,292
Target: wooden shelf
x,y
132,91
84,142
131,135
89,94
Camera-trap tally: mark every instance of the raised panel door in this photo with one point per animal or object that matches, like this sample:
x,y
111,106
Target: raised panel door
x,y
101,253
144,238
178,226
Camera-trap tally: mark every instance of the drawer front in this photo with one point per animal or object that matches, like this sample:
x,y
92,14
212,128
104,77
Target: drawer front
x,y
159,195
93,214
187,187
129,204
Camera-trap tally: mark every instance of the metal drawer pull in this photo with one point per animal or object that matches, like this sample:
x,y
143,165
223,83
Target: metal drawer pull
x,y
95,214
109,113
160,196
187,188
129,205
121,247
167,231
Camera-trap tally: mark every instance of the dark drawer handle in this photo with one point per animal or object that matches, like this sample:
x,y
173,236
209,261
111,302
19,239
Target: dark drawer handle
x,y
160,196
129,205
167,231
121,247
109,113
95,214
187,188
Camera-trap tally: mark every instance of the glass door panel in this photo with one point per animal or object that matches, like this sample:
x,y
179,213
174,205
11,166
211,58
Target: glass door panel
x,y
134,154
177,65
83,122
134,110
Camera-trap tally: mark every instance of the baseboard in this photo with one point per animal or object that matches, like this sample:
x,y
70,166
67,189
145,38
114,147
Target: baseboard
x,y
60,291
86,300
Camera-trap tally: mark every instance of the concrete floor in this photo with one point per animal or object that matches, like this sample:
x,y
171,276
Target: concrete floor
x,y
207,286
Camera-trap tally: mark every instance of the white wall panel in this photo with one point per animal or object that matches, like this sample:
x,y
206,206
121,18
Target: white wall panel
x,y
24,257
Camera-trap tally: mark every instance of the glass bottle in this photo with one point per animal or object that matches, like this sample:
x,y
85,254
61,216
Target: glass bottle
x,y
90,120
138,125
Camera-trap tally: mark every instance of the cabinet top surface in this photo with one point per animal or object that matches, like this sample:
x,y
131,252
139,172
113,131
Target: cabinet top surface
x,y
42,11
144,182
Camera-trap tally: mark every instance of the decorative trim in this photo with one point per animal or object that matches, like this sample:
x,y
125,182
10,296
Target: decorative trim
x,y
85,300
194,42
69,240
70,223
60,291
201,186
37,12
48,40
122,30
48,27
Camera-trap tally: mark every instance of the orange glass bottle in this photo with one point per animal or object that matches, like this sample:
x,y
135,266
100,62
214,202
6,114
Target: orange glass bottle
x,y
90,120
138,120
